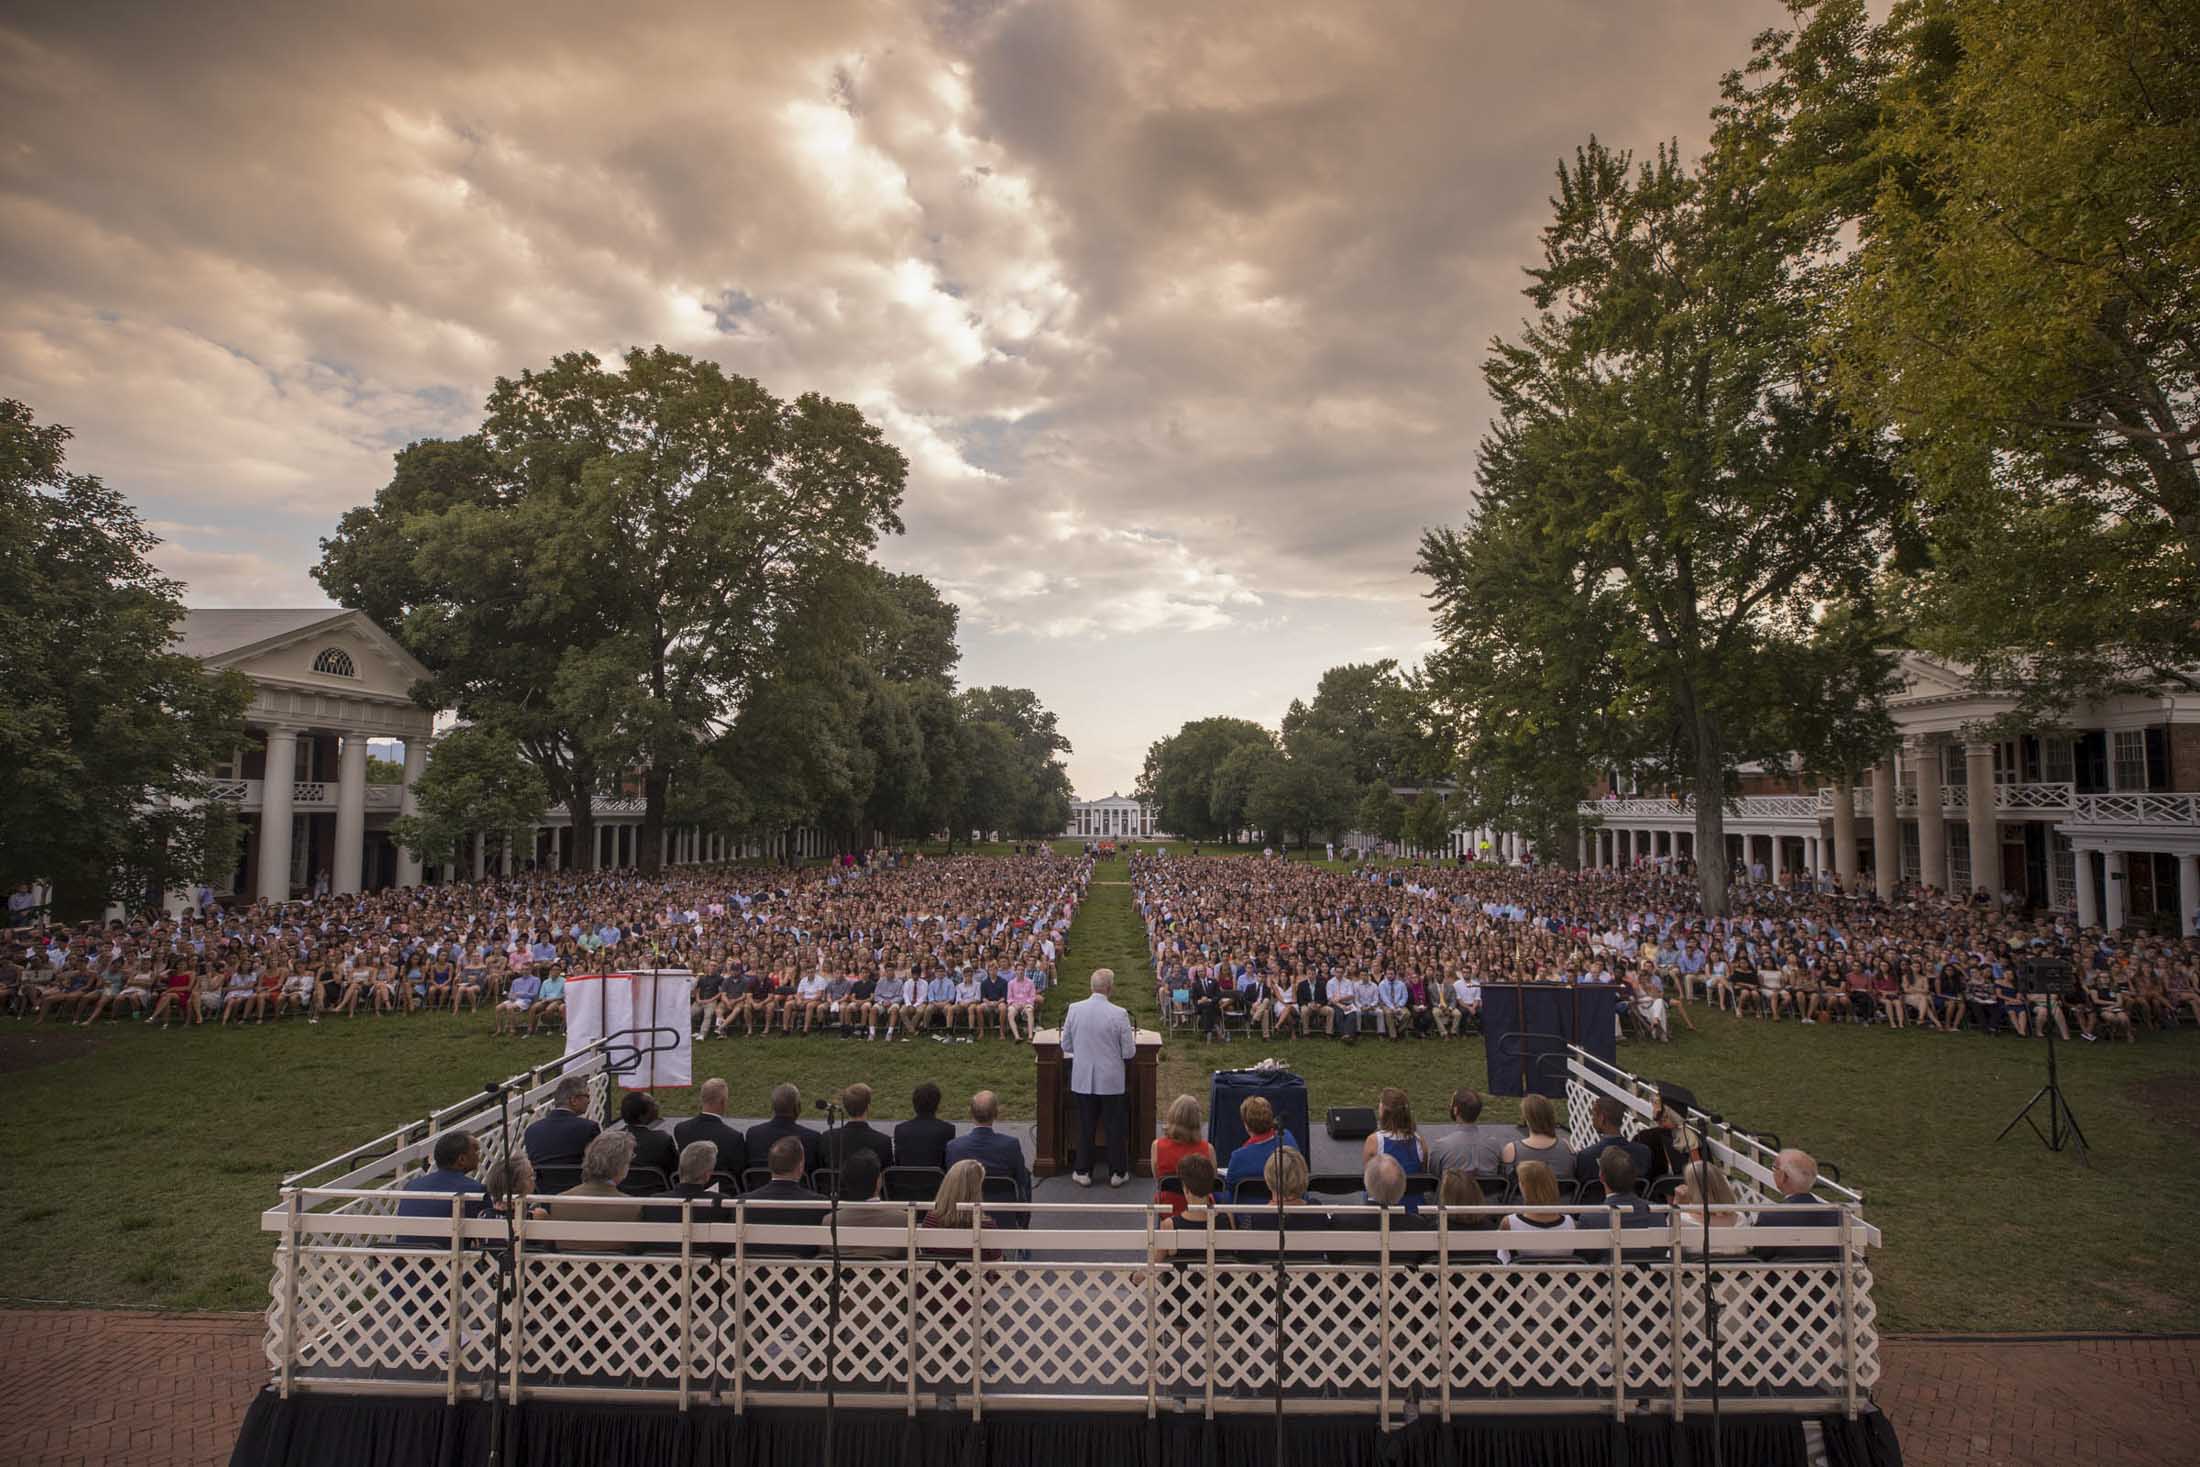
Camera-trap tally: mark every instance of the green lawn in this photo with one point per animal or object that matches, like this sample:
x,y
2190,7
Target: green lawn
x,y
137,1160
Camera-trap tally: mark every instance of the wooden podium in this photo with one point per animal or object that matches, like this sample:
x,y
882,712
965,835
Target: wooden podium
x,y
1057,1111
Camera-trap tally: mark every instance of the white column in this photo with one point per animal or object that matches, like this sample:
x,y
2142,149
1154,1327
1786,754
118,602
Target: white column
x,y
1814,854
504,855
664,846
416,761
1886,831
1978,771
2113,917
481,854
2089,912
278,783
1844,833
351,815
1932,827
1779,859
2188,893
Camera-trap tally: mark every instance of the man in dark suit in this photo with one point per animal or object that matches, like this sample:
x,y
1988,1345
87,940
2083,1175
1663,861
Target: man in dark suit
x,y
710,1125
922,1139
1616,1169
785,1161
456,1156
1002,1156
1606,1113
786,1105
560,1137
857,1134
1795,1173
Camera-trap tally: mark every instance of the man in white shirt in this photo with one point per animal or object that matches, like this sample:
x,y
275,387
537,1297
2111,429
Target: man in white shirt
x,y
1098,1041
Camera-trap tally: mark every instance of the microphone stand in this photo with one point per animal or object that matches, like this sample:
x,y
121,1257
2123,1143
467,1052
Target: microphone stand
x,y
1711,1321
836,1155
1281,1237
493,1390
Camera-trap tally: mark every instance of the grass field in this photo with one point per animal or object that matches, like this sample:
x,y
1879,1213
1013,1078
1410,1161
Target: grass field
x,y
137,1160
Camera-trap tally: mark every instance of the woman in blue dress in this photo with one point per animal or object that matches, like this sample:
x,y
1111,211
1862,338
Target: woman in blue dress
x,y
1396,1138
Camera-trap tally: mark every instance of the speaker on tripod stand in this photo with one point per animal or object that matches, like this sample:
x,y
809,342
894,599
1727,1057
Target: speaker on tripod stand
x,y
2049,980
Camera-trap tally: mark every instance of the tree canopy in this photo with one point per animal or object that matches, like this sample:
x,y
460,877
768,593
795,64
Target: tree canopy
x,y
100,800
2024,316
1670,455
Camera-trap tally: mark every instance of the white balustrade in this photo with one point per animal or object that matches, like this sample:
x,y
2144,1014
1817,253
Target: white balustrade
x,y
2136,808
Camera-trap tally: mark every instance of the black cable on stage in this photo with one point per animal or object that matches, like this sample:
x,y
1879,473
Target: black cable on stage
x,y
493,1390
1281,1295
832,1286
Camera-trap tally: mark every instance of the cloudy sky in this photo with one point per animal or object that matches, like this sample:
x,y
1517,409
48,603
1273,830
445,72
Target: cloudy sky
x,y
1177,309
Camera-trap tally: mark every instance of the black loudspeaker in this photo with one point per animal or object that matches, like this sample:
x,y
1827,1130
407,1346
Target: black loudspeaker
x,y
1351,1122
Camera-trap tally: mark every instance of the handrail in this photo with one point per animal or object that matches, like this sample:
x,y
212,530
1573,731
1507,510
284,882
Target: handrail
x,y
404,1304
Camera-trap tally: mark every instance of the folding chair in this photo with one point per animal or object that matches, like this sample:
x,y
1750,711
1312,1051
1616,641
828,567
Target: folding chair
x,y
1003,1189
551,1180
644,1181
913,1183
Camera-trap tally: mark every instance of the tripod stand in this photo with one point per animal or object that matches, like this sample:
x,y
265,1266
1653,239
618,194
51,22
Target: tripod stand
x,y
2062,1122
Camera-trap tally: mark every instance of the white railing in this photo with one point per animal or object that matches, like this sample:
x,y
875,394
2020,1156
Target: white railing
x,y
2135,808
705,1304
2052,800
374,1171
312,795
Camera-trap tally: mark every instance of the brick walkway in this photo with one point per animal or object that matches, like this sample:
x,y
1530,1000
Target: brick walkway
x,y
87,1387
2012,1401
82,1388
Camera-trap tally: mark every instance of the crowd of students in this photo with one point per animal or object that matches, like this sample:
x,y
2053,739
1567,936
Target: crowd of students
x,y
952,946
1398,952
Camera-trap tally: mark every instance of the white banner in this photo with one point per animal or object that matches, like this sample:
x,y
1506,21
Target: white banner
x,y
629,1006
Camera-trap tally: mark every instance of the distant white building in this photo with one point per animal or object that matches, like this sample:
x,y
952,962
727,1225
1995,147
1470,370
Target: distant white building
x,y
1118,817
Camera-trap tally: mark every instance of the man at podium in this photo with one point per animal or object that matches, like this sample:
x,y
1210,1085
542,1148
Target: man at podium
x,y
1099,1042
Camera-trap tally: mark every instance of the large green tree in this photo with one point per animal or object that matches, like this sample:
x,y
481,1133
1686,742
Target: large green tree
x,y
1183,776
2026,317
106,733
1664,426
603,571
1376,714
477,782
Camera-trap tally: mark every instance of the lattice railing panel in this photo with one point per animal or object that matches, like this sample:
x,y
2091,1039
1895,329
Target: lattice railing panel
x,y
1522,1329
1068,1327
602,1321
1779,1330
377,1311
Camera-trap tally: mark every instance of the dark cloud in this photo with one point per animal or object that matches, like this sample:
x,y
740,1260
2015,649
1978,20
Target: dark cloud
x,y
1178,310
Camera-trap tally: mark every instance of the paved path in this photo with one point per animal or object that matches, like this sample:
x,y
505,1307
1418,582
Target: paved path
x,y
87,1387
2012,1401
84,1388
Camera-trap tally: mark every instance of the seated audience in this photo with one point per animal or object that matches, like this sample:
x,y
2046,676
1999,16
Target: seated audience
x,y
709,1124
428,1195
638,1117
1000,1155
787,1160
1542,1143
1262,1141
922,1139
1606,1113
598,1199
1471,1146
1184,1232
1539,1203
562,1136
1794,1175
960,1203
856,1133
861,1180
783,1125
1180,1137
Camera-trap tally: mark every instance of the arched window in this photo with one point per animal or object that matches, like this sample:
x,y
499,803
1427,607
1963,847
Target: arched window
x,y
334,661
